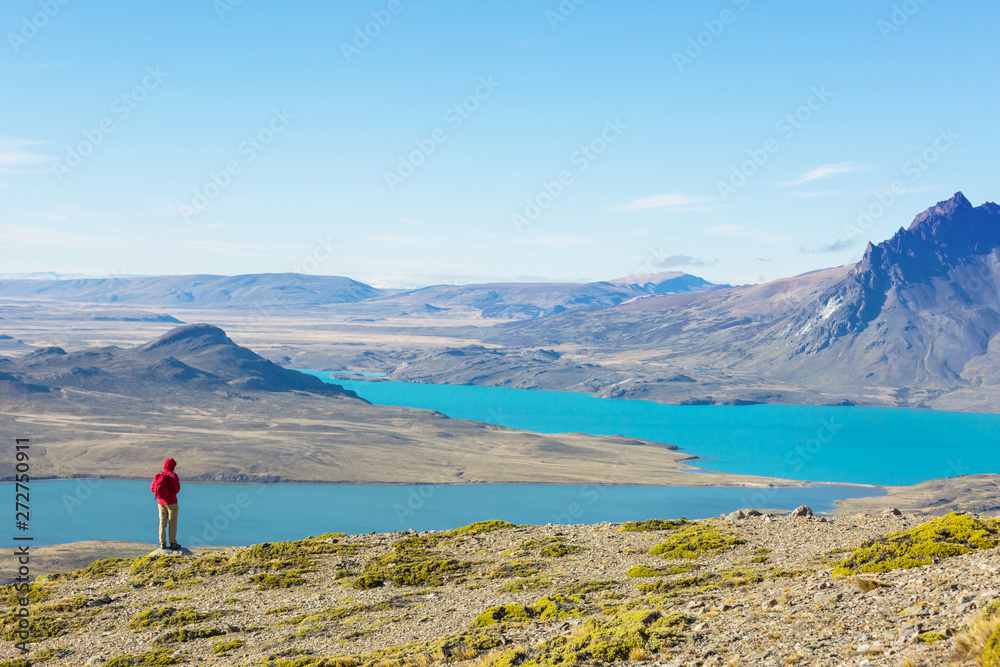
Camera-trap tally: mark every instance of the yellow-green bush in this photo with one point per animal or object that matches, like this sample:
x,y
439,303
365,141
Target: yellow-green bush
x,y
480,527
991,652
650,525
696,540
225,647
950,535
162,656
548,608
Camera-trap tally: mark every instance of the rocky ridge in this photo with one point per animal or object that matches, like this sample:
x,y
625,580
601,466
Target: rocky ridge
x,y
750,589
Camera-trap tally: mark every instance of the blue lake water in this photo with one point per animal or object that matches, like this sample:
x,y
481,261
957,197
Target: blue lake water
x,y
884,446
239,514
858,445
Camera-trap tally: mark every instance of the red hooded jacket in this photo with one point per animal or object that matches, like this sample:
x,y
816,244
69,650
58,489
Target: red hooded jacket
x,y
169,498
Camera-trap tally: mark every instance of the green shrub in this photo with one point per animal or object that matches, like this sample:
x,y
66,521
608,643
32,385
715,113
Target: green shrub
x,y
587,586
515,568
225,647
267,580
161,656
480,527
696,540
166,617
651,525
950,535
187,634
412,562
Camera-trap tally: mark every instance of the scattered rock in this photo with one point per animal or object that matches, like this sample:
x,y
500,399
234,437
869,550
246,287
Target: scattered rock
x,y
801,510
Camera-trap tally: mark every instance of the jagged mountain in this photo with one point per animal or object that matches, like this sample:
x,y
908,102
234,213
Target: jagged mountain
x,y
920,309
189,358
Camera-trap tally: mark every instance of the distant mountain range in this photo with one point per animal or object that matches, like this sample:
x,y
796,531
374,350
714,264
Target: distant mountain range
x,y
915,323
270,292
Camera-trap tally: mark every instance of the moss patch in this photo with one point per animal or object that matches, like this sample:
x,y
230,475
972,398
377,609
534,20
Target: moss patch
x,y
268,580
553,546
950,535
412,562
35,593
548,608
587,586
612,639
163,656
696,540
167,617
226,647
515,568
480,527
651,525
96,570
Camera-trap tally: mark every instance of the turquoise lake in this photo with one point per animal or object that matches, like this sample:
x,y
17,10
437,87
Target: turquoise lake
x,y
883,446
848,445
239,514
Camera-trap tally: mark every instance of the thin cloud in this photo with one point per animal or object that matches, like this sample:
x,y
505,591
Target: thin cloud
x,y
15,153
835,246
825,171
663,201
674,261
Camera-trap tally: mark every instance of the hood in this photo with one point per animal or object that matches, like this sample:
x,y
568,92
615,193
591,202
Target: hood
x,y
169,464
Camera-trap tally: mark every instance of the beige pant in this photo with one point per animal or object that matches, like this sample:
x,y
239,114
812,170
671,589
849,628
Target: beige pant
x,y
168,514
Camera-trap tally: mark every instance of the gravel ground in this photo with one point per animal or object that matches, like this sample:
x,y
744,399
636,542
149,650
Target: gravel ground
x,y
798,614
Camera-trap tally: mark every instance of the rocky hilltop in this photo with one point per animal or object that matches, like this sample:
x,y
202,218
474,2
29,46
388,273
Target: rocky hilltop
x,y
195,357
747,589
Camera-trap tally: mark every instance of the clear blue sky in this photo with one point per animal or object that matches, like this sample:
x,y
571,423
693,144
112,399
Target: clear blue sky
x,y
312,120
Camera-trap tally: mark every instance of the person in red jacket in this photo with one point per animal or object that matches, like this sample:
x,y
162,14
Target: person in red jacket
x,y
165,487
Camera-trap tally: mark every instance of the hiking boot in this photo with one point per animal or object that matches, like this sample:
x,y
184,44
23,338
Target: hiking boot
x,y
163,545
174,545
